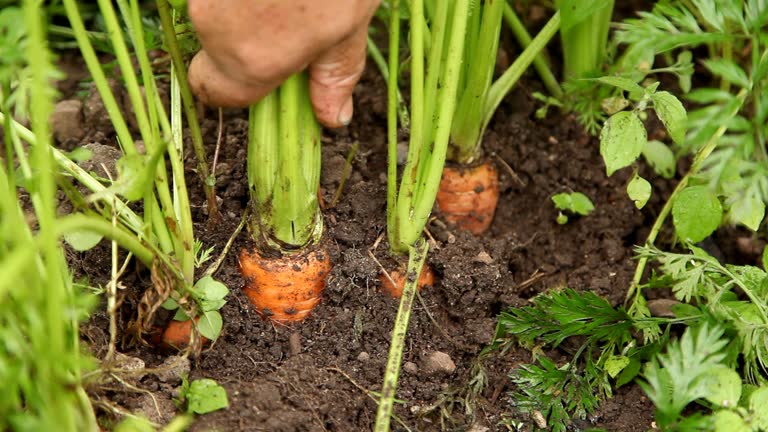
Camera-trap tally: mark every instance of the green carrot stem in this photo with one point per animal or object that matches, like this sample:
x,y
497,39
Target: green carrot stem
x,y
99,78
416,257
480,63
188,101
540,61
393,92
420,208
634,289
504,84
378,58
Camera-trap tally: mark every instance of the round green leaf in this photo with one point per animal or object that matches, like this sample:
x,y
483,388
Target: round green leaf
x,y
671,112
696,213
621,140
206,395
748,210
723,387
660,158
82,240
758,400
639,190
615,364
729,421
210,324
211,289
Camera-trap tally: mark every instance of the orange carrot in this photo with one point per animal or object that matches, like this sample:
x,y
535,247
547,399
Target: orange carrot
x,y
426,278
467,196
178,333
285,289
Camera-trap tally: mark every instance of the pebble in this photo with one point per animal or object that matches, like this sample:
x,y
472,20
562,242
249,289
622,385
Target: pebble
x,y
483,258
410,368
438,362
363,356
67,121
294,344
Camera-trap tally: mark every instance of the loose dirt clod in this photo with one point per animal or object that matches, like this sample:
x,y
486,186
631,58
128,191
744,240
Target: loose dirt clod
x,y
363,356
173,369
438,362
410,368
67,121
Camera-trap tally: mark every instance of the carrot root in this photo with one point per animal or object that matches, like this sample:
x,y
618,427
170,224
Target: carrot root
x,y
177,334
468,196
426,278
285,289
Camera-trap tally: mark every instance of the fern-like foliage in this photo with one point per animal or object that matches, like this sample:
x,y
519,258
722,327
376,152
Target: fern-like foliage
x,y
675,379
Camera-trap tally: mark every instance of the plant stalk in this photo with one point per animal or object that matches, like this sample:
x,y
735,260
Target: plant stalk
x,y
416,256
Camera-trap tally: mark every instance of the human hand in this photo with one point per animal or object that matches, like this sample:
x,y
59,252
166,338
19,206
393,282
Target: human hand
x,y
251,46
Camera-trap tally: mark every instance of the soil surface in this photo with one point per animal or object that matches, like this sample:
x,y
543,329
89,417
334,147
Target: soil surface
x,y
323,374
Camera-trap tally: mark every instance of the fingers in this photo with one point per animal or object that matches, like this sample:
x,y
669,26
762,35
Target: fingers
x,y
216,88
333,77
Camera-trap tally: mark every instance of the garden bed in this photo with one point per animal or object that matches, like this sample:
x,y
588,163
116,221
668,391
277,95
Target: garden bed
x,y
323,374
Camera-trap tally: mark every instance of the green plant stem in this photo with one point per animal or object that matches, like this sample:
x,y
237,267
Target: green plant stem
x,y
416,257
209,183
634,289
80,222
504,84
540,61
415,202
378,58
99,78
393,91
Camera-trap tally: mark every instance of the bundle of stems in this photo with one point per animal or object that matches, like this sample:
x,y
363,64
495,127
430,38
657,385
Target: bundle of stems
x,y
41,358
469,189
165,231
433,101
285,272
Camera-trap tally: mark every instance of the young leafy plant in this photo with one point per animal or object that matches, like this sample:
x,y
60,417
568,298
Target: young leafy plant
x,y
575,203
203,396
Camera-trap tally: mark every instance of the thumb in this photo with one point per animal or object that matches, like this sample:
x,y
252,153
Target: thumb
x,y
333,77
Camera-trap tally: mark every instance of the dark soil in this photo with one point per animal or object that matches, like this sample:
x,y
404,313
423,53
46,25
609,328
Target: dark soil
x,y
322,374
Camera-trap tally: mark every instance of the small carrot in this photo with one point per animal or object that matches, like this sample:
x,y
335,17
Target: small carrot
x,y
467,196
426,278
285,289
177,334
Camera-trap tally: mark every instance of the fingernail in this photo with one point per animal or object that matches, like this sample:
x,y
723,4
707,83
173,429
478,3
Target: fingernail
x,y
345,114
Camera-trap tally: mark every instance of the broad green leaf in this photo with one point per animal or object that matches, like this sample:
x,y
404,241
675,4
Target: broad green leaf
x,y
621,140
205,395
696,213
629,372
575,202
212,305
180,315
672,113
210,324
660,158
639,190
169,304
765,258
723,387
211,289
179,5
708,96
729,421
612,105
758,400
82,240
748,210
561,219
615,364
80,154
135,424
728,70
135,174
625,84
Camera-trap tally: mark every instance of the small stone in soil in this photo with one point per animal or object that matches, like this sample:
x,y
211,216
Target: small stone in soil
x,y
438,362
483,258
148,409
128,363
363,356
172,369
410,368
294,344
67,121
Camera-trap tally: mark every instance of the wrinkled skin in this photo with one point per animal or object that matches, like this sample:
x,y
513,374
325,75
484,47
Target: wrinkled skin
x,y
251,46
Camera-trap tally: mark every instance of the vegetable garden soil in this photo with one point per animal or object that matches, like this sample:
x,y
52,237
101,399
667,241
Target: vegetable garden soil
x,y
324,373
